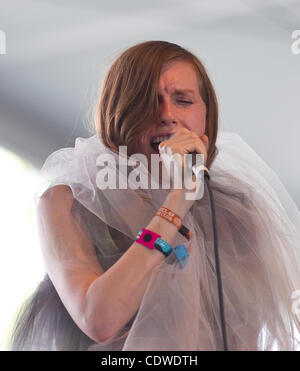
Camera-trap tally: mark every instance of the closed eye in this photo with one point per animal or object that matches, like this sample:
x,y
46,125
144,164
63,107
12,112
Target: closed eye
x,y
184,102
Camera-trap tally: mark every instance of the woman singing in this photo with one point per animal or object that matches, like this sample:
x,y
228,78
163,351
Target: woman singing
x,y
133,268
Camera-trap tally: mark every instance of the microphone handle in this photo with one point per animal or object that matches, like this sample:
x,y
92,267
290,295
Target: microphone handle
x,y
194,157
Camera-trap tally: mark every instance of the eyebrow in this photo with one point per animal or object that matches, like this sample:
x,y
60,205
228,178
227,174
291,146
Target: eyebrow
x,y
180,91
184,91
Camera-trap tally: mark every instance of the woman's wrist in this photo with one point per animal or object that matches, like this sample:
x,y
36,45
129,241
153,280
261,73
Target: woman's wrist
x,y
177,202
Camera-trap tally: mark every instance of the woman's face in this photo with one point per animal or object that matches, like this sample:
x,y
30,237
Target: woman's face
x,y
180,105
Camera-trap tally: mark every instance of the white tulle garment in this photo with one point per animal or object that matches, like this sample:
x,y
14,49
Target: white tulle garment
x,y
259,248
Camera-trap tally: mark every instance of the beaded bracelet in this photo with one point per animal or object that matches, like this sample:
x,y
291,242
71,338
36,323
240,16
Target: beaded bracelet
x,y
152,241
169,215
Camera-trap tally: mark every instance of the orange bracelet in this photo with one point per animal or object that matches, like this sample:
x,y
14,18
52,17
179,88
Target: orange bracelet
x,y
169,215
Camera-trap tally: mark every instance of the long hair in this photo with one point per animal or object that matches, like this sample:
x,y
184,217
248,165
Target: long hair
x,y
128,100
43,323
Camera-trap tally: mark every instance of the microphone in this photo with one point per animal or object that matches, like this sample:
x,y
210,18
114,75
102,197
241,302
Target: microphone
x,y
198,167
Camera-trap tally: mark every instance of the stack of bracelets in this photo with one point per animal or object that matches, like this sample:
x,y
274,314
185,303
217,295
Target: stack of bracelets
x,y
152,240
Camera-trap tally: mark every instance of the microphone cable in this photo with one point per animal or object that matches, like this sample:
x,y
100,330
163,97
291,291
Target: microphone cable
x,y
217,262
215,235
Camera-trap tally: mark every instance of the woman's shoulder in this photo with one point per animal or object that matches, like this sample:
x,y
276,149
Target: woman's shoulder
x,y
55,197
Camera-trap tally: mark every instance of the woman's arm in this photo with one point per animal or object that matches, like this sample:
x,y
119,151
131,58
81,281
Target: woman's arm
x,y
100,303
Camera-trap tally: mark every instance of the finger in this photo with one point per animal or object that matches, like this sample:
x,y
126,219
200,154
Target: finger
x,y
184,146
205,140
194,145
201,149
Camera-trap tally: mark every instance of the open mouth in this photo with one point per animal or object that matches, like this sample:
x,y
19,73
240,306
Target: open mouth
x,y
155,142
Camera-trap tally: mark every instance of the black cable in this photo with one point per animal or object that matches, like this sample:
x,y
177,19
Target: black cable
x,y
218,271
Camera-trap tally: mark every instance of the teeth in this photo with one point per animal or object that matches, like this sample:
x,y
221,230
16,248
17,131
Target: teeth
x,y
160,139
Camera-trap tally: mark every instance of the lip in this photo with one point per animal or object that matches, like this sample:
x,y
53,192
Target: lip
x,y
156,136
159,135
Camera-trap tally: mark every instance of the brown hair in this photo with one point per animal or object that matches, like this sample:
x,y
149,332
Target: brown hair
x,y
129,100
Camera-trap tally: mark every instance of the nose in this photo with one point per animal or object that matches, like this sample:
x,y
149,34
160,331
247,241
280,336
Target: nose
x,y
166,114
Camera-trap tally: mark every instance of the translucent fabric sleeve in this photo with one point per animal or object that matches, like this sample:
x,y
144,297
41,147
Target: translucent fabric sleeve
x,y
259,244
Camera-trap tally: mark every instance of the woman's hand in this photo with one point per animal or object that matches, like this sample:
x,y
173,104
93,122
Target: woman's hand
x,y
185,141
173,150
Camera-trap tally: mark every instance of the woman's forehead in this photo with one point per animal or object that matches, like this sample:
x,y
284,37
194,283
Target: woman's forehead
x,y
178,77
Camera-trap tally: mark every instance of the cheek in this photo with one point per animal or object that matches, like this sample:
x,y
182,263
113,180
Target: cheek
x,y
140,146
197,123
136,148
202,121
202,127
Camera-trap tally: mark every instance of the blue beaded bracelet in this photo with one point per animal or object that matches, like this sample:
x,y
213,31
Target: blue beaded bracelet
x,y
163,247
